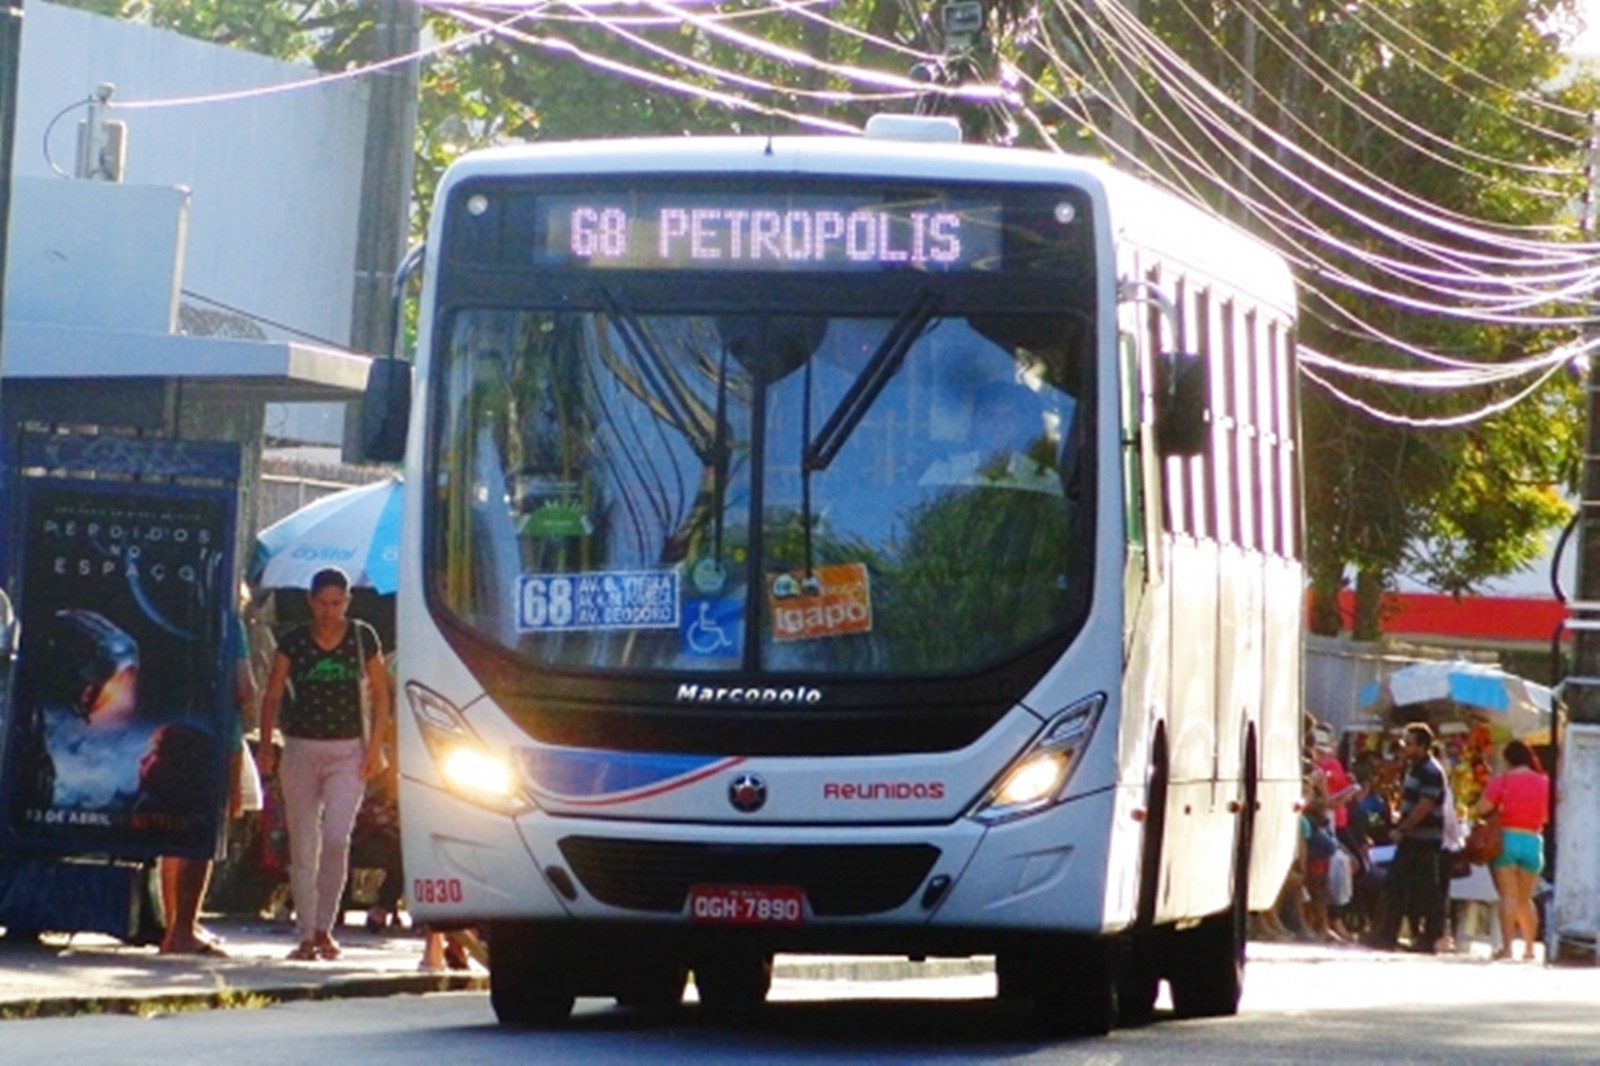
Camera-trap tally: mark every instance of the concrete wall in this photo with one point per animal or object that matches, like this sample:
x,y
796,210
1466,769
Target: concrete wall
x,y
1336,671
95,255
274,179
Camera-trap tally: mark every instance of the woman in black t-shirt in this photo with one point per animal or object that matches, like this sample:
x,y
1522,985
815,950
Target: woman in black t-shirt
x,y
330,750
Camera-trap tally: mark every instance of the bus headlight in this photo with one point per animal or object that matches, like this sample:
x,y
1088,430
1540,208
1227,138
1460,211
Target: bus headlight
x,y
1037,779
469,769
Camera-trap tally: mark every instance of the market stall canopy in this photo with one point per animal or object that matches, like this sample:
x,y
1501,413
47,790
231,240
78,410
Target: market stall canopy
x,y
1519,707
357,530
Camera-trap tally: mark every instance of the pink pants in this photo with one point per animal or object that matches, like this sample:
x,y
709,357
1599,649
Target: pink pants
x,y
322,791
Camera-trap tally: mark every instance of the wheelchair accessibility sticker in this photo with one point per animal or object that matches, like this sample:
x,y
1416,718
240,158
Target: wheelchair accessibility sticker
x,y
713,628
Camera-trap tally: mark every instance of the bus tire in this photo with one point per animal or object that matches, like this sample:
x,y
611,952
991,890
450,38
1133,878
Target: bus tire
x,y
1070,979
653,985
1011,978
733,982
527,976
1138,978
1209,977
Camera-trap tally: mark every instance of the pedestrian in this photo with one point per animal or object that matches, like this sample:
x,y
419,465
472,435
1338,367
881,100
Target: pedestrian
x,y
452,949
1521,798
1370,821
184,880
330,689
1317,848
1340,792
1414,880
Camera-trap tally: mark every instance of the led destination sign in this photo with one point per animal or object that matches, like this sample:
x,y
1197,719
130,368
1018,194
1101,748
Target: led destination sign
x,y
754,233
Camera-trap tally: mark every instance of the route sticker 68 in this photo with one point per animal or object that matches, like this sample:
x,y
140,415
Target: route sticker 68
x,y
607,599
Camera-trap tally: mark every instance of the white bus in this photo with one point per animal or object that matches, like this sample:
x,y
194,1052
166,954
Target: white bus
x,y
820,544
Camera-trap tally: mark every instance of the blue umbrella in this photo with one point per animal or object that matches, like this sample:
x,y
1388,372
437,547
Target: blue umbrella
x,y
357,530
1521,707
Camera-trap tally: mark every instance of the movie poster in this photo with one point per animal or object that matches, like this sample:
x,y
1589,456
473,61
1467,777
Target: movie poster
x,y
122,718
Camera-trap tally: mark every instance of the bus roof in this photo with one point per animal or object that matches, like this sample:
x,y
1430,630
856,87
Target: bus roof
x,y
1137,211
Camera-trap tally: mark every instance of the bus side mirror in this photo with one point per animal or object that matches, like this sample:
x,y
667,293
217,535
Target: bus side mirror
x,y
1180,404
386,411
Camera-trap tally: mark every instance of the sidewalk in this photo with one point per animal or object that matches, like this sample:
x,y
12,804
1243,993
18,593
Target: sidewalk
x,y
91,973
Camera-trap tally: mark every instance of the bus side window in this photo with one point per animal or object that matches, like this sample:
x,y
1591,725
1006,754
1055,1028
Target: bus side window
x,y
1133,513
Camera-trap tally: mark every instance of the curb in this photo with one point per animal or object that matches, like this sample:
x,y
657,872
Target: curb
x,y
878,968
242,996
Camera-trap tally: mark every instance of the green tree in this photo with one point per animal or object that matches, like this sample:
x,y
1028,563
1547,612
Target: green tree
x,y
1457,503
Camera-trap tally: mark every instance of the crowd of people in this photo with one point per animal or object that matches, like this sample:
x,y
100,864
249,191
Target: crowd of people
x,y
1381,842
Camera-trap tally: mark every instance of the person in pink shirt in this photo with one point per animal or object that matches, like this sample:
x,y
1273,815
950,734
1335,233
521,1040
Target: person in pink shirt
x,y
1340,788
1521,796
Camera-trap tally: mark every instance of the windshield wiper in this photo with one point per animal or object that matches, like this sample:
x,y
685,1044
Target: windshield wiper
x,y
863,392
722,454
664,385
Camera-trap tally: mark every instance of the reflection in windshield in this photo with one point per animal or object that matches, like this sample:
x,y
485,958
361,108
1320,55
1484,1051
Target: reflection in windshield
x,y
620,490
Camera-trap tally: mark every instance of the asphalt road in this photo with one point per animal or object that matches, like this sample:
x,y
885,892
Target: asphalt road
x,y
1302,1005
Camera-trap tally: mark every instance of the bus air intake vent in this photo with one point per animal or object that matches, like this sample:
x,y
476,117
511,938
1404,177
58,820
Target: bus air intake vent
x,y
839,881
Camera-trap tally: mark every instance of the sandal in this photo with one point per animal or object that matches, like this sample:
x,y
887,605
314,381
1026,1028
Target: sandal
x,y
306,952
326,947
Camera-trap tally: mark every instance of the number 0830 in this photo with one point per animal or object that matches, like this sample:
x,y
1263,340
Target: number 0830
x,y
436,889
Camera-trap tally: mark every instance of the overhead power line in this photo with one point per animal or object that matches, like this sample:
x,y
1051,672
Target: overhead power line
x,y
1417,258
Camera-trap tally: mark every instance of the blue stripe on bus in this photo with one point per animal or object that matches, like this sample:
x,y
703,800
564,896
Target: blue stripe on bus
x,y
581,774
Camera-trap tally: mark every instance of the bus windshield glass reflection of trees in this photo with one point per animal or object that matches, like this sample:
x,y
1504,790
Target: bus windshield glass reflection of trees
x,y
651,453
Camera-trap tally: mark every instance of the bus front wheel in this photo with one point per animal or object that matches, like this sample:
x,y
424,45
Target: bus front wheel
x,y
733,982
528,986
1070,979
652,984
1138,980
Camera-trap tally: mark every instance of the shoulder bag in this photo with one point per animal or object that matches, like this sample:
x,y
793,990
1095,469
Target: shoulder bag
x,y
1484,841
365,684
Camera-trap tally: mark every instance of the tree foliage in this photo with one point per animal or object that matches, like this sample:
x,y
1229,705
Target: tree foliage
x,y
1452,505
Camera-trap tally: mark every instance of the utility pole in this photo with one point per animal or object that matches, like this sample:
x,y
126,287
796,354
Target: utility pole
x,y
10,61
1575,919
385,186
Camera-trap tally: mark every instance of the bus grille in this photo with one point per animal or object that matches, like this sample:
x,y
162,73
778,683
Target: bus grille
x,y
839,880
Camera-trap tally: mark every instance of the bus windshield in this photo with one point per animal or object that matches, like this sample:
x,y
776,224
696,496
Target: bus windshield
x,y
839,495
814,494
